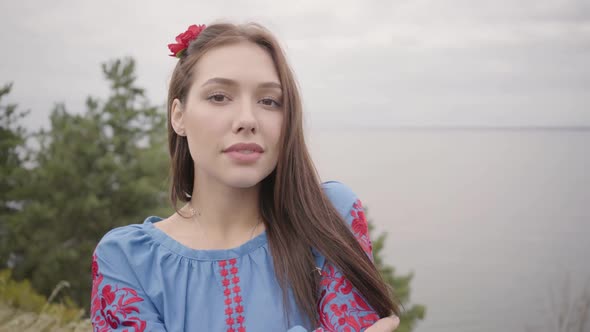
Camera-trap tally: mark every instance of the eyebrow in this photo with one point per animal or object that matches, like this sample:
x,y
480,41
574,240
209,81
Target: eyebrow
x,y
230,82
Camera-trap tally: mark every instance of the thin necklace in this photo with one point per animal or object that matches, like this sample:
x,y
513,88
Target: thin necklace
x,y
194,213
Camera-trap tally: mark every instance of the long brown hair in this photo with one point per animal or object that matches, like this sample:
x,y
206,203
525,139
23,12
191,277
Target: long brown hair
x,y
297,214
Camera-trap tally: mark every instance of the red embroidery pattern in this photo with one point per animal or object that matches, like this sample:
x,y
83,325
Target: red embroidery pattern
x,y
227,283
360,227
351,312
106,313
352,315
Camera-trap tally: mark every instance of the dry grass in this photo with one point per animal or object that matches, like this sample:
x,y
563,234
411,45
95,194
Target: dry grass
x,y
16,320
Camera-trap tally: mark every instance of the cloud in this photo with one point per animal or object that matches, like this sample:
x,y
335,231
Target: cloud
x,y
420,61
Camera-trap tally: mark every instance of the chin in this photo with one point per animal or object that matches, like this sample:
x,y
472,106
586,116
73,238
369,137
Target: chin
x,y
242,180
245,179
242,183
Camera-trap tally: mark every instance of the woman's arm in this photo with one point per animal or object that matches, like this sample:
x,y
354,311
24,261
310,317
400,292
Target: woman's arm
x,y
118,301
341,306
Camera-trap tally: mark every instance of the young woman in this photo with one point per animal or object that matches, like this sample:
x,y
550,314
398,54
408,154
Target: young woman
x,y
259,244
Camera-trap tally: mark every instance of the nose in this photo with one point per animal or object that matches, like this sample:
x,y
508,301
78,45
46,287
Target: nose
x,y
245,119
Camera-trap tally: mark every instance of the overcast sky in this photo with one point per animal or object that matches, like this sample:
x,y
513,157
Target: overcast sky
x,y
359,63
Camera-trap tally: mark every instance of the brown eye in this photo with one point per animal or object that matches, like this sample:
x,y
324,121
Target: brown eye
x,y
218,98
269,102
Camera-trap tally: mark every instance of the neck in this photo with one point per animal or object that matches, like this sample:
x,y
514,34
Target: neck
x,y
225,212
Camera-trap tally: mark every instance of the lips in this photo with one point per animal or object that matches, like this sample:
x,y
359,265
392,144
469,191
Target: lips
x,y
245,148
244,153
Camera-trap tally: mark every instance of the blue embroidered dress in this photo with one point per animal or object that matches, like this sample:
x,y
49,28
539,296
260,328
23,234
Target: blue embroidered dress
x,y
143,280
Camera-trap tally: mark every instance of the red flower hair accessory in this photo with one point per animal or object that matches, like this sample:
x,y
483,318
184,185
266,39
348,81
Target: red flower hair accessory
x,y
184,39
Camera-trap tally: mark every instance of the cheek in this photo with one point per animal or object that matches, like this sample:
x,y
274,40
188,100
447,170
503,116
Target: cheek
x,y
275,125
274,135
204,133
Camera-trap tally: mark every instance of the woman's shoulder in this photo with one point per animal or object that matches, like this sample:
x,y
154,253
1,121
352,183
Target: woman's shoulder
x,y
349,206
123,240
342,196
347,203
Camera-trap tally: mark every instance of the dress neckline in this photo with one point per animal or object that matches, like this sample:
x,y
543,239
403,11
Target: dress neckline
x,y
202,254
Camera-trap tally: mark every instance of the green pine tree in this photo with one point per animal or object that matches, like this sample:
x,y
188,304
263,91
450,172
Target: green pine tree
x,y
13,156
93,171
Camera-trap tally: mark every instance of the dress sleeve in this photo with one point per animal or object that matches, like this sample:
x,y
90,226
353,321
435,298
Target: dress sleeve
x,y
118,301
341,307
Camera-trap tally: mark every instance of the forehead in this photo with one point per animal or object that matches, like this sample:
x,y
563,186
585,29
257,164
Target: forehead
x,y
244,62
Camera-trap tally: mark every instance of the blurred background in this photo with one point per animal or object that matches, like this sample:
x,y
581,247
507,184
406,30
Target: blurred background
x,y
463,126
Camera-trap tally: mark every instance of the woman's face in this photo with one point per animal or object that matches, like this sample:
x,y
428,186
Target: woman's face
x,y
235,97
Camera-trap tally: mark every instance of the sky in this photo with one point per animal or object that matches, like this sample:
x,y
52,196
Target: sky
x,y
366,64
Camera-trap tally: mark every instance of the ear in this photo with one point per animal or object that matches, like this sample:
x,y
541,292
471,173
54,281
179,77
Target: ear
x,y
177,117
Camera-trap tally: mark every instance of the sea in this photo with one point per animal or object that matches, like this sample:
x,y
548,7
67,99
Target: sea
x,y
493,223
